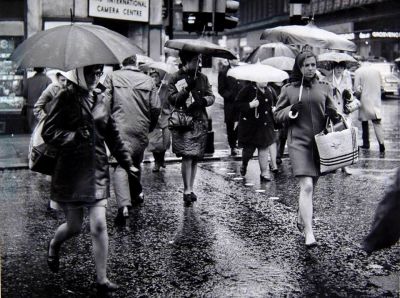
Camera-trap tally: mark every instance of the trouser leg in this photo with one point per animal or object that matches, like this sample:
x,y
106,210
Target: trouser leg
x,y
232,134
365,133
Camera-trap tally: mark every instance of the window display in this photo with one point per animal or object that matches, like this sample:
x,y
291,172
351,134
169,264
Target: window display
x,y
10,79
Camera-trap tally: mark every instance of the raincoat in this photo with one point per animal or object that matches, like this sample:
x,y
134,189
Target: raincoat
x,y
317,99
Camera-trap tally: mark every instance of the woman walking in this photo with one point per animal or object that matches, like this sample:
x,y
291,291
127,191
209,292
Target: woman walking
x,y
160,137
342,86
78,125
256,127
303,105
189,89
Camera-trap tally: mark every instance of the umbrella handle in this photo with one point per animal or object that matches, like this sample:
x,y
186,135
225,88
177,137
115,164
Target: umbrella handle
x,y
291,115
256,114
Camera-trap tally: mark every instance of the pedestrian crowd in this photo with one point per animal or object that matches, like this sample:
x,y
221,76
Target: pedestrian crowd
x,y
89,121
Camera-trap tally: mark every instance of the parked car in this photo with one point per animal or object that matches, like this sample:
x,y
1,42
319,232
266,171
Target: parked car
x,y
390,77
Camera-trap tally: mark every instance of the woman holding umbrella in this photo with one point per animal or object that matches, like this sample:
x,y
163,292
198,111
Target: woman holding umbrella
x,y
78,125
305,113
189,89
256,126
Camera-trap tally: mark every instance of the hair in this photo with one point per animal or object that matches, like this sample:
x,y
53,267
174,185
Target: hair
x,y
186,56
129,61
298,64
38,69
339,64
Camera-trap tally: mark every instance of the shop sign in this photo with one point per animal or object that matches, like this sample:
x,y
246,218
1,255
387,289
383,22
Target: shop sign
x,y
130,10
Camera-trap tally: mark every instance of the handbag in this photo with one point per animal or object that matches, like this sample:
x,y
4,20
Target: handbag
x,y
337,148
352,105
179,120
42,157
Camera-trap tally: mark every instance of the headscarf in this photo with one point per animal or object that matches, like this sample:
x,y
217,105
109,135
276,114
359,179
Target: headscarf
x,y
77,76
296,76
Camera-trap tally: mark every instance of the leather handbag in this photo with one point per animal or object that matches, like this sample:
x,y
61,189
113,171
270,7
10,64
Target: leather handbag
x,y
337,148
42,156
352,105
179,120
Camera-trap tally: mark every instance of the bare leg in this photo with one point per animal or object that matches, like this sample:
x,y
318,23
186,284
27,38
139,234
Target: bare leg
x,y
186,174
98,230
273,153
263,161
306,206
70,228
194,171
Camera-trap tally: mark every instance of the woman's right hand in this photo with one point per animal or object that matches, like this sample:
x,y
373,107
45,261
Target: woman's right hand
x,y
254,103
297,107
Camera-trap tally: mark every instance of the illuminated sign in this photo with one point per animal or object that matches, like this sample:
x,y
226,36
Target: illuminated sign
x,y
130,10
364,35
386,34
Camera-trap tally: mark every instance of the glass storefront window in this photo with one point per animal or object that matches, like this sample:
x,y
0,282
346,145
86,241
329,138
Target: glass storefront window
x,y
11,99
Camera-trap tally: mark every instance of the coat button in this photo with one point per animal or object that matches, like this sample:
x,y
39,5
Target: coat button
x,y
265,123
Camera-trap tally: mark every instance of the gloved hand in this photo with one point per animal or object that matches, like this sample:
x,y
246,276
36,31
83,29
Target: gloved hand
x,y
133,172
297,107
196,105
254,103
357,94
191,83
82,133
333,115
346,95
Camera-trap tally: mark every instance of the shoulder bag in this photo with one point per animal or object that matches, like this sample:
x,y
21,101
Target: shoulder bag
x,y
42,156
179,120
337,148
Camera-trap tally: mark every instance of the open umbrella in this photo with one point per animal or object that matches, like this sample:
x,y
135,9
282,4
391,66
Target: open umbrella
x,y
281,62
165,67
71,46
336,57
272,49
200,46
258,73
308,35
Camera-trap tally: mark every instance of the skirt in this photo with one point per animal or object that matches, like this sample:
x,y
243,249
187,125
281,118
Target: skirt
x,y
190,143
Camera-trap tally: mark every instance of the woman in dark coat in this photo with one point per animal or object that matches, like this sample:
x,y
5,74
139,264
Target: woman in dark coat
x,y
189,88
78,125
305,118
256,125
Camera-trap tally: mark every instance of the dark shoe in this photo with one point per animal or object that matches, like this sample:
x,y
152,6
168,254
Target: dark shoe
x,y
243,170
138,200
108,287
53,261
278,161
265,178
193,196
163,164
381,148
312,244
364,146
233,152
187,199
275,171
122,217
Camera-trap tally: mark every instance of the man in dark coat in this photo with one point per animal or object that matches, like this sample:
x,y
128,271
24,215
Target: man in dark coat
x,y
135,108
228,88
33,88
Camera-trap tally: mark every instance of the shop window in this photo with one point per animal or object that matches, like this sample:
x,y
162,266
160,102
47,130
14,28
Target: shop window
x,y
10,79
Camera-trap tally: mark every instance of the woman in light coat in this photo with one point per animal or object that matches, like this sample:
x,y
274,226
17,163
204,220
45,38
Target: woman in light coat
x,y
305,118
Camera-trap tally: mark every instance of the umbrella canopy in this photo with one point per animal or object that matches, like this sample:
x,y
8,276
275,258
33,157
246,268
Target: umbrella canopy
x,y
167,68
282,63
269,50
336,57
308,35
200,46
143,59
258,73
71,46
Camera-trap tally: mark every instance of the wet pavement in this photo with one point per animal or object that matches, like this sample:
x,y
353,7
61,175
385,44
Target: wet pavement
x,y
238,240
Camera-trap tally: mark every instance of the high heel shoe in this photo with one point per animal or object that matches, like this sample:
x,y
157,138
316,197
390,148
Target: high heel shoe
x,y
193,196
311,242
187,199
107,287
53,261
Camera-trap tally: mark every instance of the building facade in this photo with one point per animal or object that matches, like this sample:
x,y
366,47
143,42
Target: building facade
x,y
139,20
372,24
